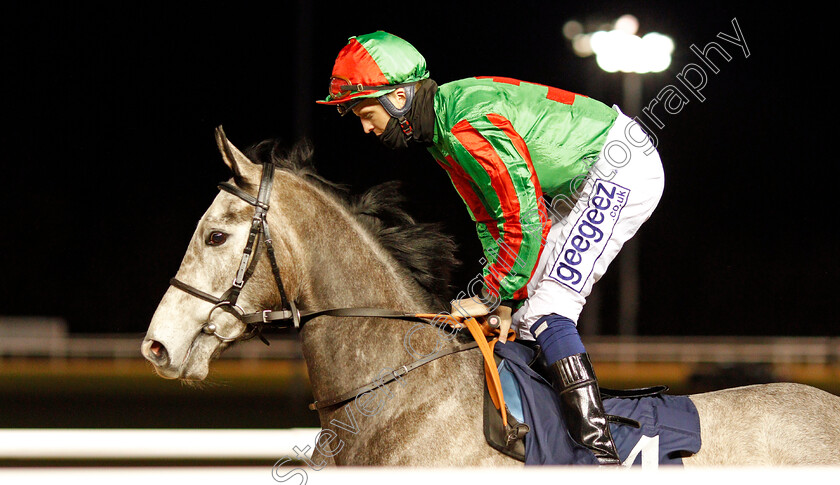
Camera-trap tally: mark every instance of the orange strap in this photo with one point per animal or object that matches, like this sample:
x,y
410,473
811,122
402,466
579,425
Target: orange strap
x,y
480,332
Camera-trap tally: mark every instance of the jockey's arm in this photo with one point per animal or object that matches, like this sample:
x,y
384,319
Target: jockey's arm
x,y
506,204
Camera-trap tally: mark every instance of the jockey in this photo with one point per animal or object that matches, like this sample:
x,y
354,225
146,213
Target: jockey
x,y
507,145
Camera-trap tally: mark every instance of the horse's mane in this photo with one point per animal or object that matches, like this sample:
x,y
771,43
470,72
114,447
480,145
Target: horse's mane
x,y
421,248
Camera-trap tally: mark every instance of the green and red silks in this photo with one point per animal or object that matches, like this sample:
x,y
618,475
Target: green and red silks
x,y
505,143
377,59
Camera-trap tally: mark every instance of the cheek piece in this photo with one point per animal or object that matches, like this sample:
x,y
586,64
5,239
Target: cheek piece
x,y
399,114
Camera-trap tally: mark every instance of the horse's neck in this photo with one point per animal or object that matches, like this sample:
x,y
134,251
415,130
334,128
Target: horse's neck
x,y
338,262
341,265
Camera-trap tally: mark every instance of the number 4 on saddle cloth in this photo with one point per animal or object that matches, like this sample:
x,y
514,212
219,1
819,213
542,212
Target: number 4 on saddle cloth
x,y
669,425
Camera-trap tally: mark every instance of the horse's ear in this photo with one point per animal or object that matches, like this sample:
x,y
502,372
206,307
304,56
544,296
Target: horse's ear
x,y
238,163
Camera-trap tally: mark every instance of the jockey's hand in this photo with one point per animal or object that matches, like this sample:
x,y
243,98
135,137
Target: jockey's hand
x,y
474,307
504,312
469,307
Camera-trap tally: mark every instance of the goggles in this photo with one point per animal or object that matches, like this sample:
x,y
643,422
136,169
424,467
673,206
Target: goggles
x,y
341,88
347,107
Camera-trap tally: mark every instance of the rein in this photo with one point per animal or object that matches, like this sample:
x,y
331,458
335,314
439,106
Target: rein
x,y
394,375
289,316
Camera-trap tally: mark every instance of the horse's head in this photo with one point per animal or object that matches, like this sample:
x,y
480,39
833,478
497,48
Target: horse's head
x,y
200,314
327,250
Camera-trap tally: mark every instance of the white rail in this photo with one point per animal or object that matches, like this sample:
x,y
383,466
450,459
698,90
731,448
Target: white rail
x,y
420,476
153,443
772,350
139,444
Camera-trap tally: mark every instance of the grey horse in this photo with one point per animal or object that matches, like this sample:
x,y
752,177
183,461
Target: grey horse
x,y
337,251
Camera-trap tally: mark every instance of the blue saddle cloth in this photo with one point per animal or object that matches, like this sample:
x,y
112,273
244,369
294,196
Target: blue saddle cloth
x,y
670,425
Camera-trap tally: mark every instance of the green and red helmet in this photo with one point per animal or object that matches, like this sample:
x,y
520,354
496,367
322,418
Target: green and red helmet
x,y
373,65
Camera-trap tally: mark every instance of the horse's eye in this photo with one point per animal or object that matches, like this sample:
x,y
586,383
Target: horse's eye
x,y
216,238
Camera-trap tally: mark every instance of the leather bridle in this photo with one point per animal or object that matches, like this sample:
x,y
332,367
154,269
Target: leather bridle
x,y
258,233
289,316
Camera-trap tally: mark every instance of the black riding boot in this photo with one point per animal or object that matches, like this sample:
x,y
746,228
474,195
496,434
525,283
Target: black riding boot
x,y
574,380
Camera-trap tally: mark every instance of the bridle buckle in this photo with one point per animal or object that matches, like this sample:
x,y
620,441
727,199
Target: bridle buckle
x,y
404,370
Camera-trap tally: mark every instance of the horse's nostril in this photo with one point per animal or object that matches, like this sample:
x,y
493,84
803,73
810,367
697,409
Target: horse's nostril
x,y
157,348
157,353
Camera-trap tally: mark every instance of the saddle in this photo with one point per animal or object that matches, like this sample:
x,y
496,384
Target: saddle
x,y
508,435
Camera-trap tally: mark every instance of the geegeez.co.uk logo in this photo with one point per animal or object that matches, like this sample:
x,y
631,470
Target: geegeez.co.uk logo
x,y
589,235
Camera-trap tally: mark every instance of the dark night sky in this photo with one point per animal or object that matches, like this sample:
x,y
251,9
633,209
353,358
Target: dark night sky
x,y
109,160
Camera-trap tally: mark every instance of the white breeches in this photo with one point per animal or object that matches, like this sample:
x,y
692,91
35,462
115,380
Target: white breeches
x,y
619,194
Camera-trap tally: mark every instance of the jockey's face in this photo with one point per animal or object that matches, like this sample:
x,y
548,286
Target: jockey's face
x,y
373,116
